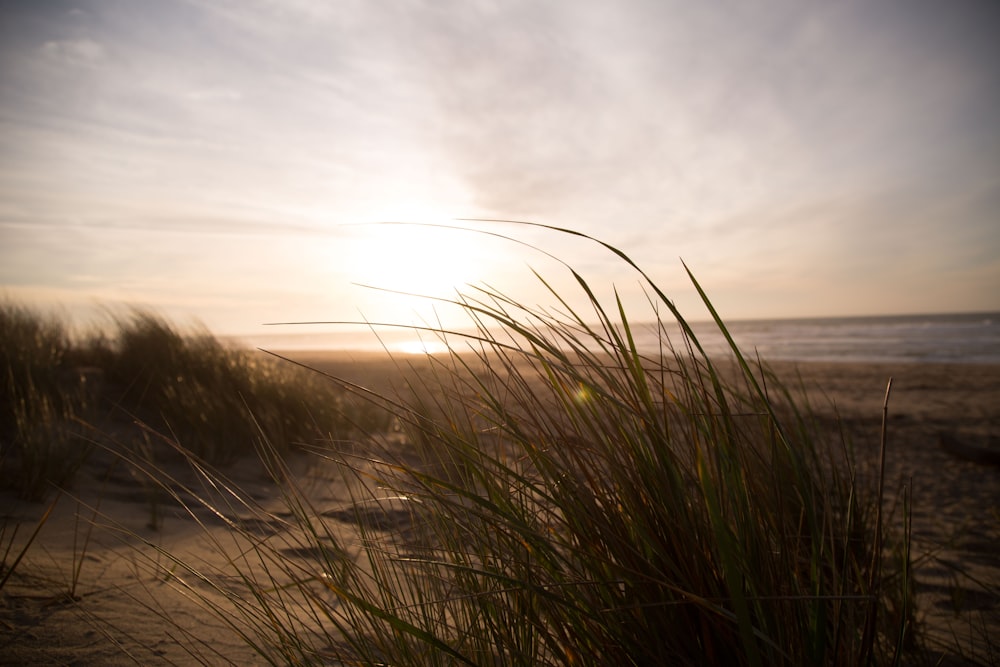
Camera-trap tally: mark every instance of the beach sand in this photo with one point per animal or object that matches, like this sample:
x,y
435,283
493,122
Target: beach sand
x,y
99,534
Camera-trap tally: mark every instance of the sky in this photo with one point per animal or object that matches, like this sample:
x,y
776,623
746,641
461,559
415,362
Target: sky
x,y
225,160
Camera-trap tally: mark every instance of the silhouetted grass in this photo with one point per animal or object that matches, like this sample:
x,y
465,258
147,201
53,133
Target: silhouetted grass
x,y
563,499
61,396
41,402
218,401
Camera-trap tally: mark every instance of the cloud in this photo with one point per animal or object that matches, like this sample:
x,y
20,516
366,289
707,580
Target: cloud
x,y
74,52
214,95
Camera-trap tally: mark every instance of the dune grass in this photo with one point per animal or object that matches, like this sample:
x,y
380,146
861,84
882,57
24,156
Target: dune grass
x,y
61,395
562,498
41,402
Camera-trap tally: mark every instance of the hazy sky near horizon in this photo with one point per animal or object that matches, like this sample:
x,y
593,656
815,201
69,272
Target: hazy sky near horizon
x,y
210,158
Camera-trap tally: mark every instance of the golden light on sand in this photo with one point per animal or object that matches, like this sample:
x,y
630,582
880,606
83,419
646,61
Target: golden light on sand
x,y
419,347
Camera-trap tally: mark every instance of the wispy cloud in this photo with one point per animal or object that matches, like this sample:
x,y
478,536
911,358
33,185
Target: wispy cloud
x,y
73,52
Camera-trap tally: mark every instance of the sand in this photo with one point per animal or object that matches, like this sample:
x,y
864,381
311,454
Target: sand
x,y
86,593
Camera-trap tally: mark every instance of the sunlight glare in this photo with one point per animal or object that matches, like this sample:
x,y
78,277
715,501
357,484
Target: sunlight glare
x,y
416,258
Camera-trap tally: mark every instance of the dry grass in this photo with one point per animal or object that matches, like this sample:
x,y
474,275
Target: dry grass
x,y
60,397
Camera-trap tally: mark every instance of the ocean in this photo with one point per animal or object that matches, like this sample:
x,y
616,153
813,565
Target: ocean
x,y
972,338
960,338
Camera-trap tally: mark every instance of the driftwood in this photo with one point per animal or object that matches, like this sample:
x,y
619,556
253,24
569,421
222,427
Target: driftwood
x,y
967,452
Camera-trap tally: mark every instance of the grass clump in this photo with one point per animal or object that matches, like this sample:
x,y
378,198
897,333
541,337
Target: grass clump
x,y
41,403
62,395
215,400
569,499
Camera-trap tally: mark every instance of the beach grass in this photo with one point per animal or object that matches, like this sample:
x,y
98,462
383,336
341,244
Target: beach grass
x,y
557,496
62,395
41,403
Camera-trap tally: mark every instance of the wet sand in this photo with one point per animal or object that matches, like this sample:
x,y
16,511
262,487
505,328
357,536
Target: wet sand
x,y
101,602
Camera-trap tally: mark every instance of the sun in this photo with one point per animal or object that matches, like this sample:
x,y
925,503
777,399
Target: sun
x,y
420,258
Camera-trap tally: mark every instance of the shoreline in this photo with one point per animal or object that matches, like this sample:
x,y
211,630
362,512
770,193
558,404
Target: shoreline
x,y
941,390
